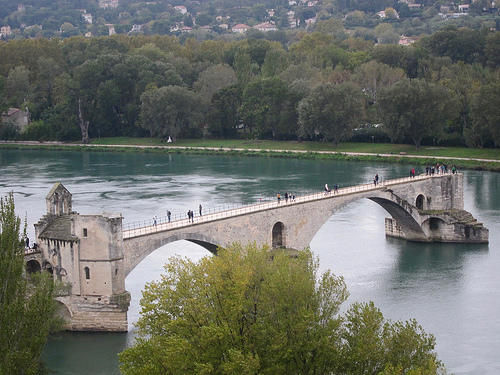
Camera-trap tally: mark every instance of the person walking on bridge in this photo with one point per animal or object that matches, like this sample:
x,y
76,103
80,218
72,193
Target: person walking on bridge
x,y
200,209
168,215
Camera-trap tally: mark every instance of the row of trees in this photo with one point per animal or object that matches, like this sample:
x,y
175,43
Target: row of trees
x,y
242,312
322,86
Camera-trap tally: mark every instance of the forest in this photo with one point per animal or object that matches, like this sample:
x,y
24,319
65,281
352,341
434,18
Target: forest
x,y
327,85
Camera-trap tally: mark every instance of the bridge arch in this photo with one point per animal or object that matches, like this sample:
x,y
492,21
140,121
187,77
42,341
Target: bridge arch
x,y
403,216
161,239
32,266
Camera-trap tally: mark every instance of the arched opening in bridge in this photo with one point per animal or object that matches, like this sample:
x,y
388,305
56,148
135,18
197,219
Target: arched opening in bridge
x,y
64,313
153,266
434,223
278,235
420,202
32,266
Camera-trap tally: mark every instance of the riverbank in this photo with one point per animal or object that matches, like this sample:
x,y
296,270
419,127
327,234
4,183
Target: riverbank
x,y
490,159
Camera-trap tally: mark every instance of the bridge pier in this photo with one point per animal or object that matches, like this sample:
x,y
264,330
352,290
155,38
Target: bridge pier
x,y
453,226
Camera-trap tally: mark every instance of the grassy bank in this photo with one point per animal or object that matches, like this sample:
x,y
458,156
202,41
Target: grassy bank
x,y
464,158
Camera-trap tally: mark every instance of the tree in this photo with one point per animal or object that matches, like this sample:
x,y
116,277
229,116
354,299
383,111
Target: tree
x,y
18,87
250,311
222,118
415,109
269,105
169,111
26,304
332,111
213,79
373,75
485,113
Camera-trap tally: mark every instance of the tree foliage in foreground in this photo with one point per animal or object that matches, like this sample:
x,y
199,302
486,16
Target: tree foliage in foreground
x,y
244,312
26,304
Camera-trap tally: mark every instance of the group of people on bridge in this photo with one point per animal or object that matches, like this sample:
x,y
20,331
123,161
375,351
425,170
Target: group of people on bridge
x,y
440,169
286,196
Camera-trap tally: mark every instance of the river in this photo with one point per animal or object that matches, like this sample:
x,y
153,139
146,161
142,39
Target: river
x,y
453,291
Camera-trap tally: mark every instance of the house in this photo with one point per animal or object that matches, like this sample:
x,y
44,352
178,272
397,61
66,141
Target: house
x,y
16,116
464,8
5,31
405,41
265,27
186,29
87,17
136,28
240,28
108,3
224,26
181,8
270,12
111,29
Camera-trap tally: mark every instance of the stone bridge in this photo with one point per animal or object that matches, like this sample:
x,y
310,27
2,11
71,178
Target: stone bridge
x,y
423,208
92,254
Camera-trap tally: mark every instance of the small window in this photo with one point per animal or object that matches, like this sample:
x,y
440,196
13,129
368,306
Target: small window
x,y
87,273
84,232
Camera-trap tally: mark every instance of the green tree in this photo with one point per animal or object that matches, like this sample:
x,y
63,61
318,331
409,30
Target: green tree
x,y
269,105
18,87
213,79
373,75
223,118
415,109
485,113
169,111
250,311
332,111
26,304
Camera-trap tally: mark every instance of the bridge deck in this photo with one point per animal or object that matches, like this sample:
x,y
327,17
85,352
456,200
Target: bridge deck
x,y
160,227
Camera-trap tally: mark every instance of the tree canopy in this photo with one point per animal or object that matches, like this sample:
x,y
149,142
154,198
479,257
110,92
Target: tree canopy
x,y
252,311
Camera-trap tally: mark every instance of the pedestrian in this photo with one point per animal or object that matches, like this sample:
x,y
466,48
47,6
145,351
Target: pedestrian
x,y
200,209
293,197
168,215
192,216
279,197
155,220
376,179
189,216
335,188
326,189
286,196
27,242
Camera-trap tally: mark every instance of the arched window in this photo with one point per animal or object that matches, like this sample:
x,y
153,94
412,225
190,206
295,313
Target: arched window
x,y
278,235
87,273
420,202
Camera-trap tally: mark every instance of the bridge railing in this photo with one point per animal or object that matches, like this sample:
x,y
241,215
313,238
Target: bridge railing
x,y
230,210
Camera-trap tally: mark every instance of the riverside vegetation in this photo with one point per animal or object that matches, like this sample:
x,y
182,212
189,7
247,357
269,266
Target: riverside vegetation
x,y
327,85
